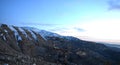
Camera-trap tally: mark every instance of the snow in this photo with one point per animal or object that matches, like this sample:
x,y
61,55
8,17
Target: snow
x,y
23,32
4,37
6,31
34,64
43,33
1,34
47,33
13,29
32,28
33,34
17,36
6,64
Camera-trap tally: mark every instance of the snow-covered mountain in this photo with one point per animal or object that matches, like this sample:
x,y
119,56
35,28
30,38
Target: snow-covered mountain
x,y
31,46
45,34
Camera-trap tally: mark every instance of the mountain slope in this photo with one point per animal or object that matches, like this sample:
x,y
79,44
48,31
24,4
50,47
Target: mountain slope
x,y
30,46
20,44
102,53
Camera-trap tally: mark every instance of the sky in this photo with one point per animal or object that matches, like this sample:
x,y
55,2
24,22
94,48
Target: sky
x,y
96,20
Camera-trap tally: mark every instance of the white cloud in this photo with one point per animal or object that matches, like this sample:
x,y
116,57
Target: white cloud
x,y
95,30
103,29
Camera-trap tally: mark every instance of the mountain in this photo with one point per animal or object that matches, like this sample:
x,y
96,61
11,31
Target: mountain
x,y
20,47
112,45
46,34
31,46
43,33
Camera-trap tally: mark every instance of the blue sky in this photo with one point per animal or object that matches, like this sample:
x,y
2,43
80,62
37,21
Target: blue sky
x,y
66,17
49,11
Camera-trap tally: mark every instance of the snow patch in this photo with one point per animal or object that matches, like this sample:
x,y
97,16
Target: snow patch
x,y
6,31
42,33
23,32
32,28
17,36
33,34
34,64
1,34
47,33
4,37
6,64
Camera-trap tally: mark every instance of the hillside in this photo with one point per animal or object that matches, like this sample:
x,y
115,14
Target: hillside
x,y
23,46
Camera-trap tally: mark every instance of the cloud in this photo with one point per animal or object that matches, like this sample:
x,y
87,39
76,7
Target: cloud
x,y
114,4
79,29
103,29
68,30
40,24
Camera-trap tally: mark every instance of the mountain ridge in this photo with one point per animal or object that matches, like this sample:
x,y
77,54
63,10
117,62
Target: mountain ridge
x,y
20,46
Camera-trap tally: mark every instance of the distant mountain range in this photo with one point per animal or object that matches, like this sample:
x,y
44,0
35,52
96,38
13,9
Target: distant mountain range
x,y
31,46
